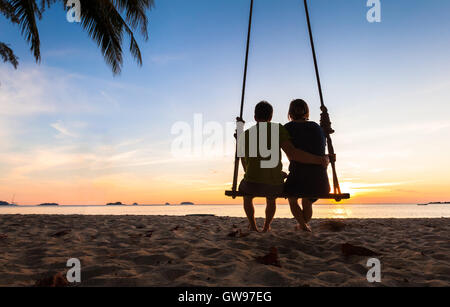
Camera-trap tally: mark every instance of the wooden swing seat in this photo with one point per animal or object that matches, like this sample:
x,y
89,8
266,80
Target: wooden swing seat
x,y
337,197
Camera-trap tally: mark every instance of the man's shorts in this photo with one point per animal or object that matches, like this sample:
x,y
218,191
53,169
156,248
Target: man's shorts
x,y
260,189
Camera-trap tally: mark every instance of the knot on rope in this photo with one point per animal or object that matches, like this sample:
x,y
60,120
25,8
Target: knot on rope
x,y
325,121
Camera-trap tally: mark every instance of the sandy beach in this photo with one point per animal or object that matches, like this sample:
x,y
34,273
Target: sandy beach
x,y
218,251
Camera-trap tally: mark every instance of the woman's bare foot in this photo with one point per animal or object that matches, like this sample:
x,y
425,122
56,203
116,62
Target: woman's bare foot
x,y
308,228
305,228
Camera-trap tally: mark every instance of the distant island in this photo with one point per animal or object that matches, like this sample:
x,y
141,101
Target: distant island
x,y
187,203
115,204
435,203
6,204
135,204
49,204
167,204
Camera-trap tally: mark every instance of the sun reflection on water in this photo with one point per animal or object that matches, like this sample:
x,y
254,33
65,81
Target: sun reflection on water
x,y
339,212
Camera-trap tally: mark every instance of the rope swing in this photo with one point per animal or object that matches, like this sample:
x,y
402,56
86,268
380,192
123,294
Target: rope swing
x,y
325,121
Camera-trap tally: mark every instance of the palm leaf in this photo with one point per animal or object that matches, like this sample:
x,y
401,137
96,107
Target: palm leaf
x,y
8,55
106,26
26,11
136,13
8,11
102,19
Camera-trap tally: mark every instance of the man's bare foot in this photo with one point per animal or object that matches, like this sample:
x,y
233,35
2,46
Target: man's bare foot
x,y
305,228
253,228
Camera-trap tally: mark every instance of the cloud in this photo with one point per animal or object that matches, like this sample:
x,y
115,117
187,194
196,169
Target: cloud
x,y
33,98
113,102
63,130
33,91
39,163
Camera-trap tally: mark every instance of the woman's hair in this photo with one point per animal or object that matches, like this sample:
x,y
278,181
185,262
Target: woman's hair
x,y
298,110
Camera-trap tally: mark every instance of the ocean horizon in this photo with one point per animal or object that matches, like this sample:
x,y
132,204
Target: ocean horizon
x,y
364,211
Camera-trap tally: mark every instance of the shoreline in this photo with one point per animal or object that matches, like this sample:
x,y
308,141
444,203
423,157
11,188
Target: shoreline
x,y
260,219
283,211
133,250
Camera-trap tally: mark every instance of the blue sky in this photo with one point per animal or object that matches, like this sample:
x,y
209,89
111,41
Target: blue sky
x,y
68,124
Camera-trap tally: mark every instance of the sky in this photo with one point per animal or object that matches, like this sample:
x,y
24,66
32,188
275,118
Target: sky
x,y
72,133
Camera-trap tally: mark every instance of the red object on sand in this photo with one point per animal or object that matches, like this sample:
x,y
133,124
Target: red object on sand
x,y
271,258
57,280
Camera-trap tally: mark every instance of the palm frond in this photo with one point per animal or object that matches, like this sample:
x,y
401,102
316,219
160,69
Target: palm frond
x,y
96,18
8,55
106,26
8,11
102,19
136,13
26,12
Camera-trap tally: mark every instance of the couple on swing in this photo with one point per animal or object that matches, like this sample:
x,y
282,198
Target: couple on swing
x,y
304,143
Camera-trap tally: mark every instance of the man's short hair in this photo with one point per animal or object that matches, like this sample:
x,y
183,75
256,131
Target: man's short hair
x,y
263,111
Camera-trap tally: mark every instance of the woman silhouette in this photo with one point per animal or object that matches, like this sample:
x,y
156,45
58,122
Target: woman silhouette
x,y
305,179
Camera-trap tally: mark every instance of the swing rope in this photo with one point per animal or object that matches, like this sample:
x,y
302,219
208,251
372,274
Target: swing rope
x,y
325,122
244,85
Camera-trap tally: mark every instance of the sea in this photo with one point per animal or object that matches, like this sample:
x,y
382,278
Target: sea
x,y
344,211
